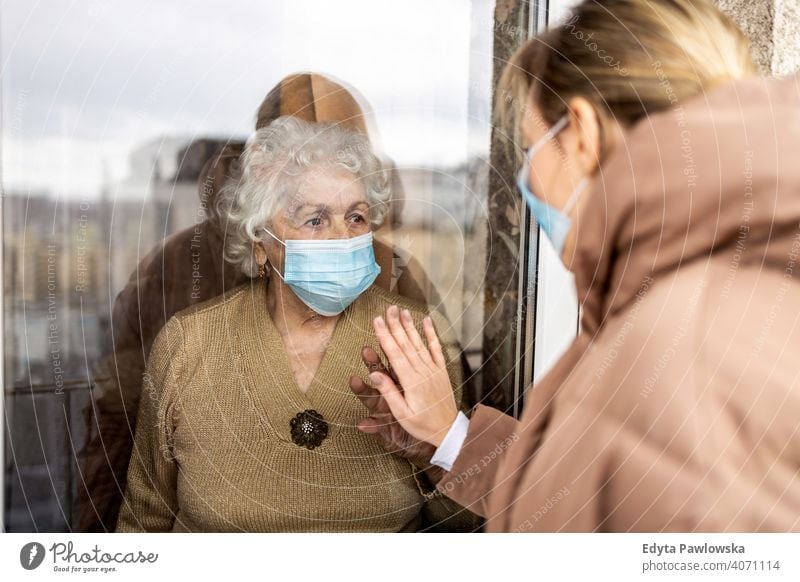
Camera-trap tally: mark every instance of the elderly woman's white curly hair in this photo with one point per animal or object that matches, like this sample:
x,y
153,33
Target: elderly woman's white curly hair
x,y
275,158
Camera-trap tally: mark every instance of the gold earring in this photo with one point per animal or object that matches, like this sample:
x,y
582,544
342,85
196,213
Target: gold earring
x,y
262,271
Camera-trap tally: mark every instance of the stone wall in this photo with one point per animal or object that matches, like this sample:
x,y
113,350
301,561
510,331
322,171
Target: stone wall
x,y
772,27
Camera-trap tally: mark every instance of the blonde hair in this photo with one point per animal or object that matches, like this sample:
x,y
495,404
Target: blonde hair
x,y
628,58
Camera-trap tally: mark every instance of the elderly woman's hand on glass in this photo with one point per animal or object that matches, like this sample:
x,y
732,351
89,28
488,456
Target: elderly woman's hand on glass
x,y
271,355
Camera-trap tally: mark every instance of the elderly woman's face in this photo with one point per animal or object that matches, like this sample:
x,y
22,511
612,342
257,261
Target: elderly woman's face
x,y
328,204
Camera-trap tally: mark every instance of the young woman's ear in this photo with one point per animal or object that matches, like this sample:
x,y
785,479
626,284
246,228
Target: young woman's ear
x,y
587,133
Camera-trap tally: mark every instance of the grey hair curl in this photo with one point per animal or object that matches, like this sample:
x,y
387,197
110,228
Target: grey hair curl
x,y
274,159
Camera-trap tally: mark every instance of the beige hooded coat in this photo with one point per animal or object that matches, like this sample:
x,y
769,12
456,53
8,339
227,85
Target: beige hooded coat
x,y
678,406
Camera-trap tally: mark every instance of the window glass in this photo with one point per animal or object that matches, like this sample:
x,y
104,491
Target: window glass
x,y
112,111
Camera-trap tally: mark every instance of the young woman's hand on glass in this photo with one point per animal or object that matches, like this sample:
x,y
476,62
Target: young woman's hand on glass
x,y
425,405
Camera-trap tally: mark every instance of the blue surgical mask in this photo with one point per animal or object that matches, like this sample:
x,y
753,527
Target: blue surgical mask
x,y
328,275
555,223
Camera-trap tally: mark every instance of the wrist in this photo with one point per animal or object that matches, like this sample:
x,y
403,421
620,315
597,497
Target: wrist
x,y
438,437
447,452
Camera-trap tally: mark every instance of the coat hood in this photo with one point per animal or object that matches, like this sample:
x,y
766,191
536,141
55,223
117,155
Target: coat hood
x,y
309,96
715,174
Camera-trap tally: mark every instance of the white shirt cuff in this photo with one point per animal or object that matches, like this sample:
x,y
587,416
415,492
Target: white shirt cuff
x,y
447,452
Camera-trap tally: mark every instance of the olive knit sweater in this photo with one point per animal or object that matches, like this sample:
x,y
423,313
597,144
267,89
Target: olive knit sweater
x,y
213,449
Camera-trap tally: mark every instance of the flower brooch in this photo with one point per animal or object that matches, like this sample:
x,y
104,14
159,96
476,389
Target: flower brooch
x,y
308,428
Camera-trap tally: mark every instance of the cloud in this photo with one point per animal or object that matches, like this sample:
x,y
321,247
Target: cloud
x,y
88,81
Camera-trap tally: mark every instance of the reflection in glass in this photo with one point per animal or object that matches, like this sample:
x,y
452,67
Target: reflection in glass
x,y
112,153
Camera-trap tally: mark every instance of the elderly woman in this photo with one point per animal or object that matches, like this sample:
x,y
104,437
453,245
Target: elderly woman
x,y
247,421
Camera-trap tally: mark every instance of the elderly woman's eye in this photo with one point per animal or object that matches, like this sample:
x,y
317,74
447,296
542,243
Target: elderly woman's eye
x,y
316,221
357,218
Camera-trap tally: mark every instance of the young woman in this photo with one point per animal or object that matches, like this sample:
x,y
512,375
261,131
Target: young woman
x,y
665,174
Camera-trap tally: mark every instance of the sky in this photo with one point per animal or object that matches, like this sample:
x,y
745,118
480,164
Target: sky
x,y
85,82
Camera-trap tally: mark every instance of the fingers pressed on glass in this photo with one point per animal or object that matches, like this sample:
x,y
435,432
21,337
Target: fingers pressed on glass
x,y
371,359
434,346
369,355
391,394
374,363
401,337
357,384
368,396
397,331
397,358
369,425
414,337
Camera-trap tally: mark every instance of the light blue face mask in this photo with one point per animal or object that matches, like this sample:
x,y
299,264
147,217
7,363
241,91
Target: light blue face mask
x,y
555,223
328,275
